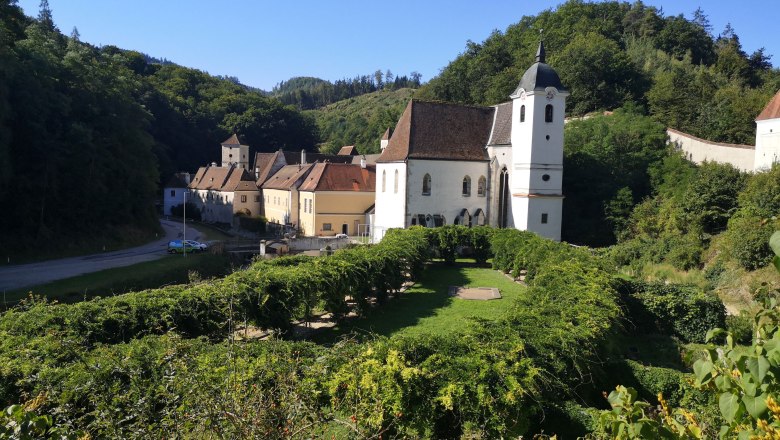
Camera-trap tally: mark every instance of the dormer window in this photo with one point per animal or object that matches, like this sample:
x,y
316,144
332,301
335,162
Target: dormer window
x,y
548,113
522,113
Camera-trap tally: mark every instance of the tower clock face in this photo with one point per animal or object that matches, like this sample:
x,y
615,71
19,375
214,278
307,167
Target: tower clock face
x,y
550,95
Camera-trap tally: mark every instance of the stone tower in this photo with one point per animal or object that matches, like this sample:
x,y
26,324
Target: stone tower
x,y
233,153
538,108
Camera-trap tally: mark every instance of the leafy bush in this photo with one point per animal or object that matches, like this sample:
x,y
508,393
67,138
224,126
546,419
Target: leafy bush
x,y
252,224
747,238
193,213
673,309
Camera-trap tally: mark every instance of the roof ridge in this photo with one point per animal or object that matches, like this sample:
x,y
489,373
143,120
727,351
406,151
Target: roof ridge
x,y
436,101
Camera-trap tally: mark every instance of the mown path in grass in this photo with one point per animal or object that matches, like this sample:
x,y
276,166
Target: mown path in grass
x,y
427,306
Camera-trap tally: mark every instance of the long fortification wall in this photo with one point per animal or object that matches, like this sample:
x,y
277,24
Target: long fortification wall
x,y
698,150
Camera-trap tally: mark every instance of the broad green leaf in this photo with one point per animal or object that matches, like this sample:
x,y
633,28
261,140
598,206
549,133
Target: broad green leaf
x,y
712,333
774,242
729,406
776,263
703,370
758,367
756,406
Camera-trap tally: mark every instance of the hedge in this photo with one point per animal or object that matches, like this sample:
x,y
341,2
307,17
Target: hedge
x,y
684,311
490,381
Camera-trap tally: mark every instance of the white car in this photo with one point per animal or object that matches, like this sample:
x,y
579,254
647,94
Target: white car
x,y
198,246
342,236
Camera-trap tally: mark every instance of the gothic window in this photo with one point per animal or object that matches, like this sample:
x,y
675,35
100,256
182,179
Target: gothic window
x,y
548,113
467,186
522,113
395,182
481,186
384,178
426,189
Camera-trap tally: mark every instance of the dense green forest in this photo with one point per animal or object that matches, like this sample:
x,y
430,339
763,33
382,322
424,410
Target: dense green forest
x,y
86,133
306,93
361,120
612,53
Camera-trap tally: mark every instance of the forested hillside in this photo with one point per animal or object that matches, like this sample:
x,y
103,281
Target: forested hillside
x,y
360,121
306,93
680,71
86,133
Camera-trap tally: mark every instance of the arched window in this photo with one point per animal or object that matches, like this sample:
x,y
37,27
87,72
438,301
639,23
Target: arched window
x,y
426,190
395,182
384,179
522,113
548,113
481,186
467,186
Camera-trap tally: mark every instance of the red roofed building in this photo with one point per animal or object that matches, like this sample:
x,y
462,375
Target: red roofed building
x,y
502,165
768,135
334,199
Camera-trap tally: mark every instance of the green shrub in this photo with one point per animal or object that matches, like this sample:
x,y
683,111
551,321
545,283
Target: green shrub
x,y
747,239
193,213
252,224
684,311
740,326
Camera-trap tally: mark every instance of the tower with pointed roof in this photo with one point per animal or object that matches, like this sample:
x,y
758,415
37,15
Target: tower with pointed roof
x,y
234,153
534,194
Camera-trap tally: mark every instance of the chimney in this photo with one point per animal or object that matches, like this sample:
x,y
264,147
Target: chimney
x,y
363,162
383,144
257,173
187,178
303,157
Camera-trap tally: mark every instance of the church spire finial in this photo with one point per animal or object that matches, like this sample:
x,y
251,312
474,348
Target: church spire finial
x,y
540,55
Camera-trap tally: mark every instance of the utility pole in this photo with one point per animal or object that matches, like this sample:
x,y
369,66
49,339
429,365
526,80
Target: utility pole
x,y
184,225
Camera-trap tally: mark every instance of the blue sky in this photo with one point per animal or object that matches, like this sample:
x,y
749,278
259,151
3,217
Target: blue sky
x,y
264,42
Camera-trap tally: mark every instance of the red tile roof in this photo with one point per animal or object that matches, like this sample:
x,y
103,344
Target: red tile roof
x,y
348,150
340,177
220,178
772,110
288,177
232,141
437,130
502,125
386,135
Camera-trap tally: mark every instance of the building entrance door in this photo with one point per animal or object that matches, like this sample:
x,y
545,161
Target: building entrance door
x,y
345,229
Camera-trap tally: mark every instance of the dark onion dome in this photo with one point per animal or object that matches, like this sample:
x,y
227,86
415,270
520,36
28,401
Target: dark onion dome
x,y
540,75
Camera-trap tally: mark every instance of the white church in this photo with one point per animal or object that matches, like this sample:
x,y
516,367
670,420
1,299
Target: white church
x,y
458,164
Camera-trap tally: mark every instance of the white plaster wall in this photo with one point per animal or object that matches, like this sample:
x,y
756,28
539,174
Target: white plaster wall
x,y
528,214
390,206
446,188
169,201
767,144
698,150
534,131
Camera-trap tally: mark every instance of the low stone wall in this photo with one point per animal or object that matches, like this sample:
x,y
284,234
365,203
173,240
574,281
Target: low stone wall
x,y
698,150
316,243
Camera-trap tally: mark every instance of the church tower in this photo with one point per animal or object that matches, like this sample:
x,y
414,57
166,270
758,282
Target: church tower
x,y
535,187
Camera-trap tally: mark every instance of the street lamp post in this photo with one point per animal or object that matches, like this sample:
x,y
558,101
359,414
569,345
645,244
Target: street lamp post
x,y
184,226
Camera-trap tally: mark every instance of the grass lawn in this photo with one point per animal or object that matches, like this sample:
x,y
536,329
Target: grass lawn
x,y
427,307
171,269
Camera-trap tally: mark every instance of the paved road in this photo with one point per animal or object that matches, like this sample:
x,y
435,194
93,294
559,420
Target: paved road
x,y
25,275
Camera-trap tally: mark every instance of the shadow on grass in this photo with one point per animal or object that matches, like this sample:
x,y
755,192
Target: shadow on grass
x,y
428,295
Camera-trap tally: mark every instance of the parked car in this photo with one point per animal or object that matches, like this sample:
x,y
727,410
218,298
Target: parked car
x,y
181,246
342,236
197,245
